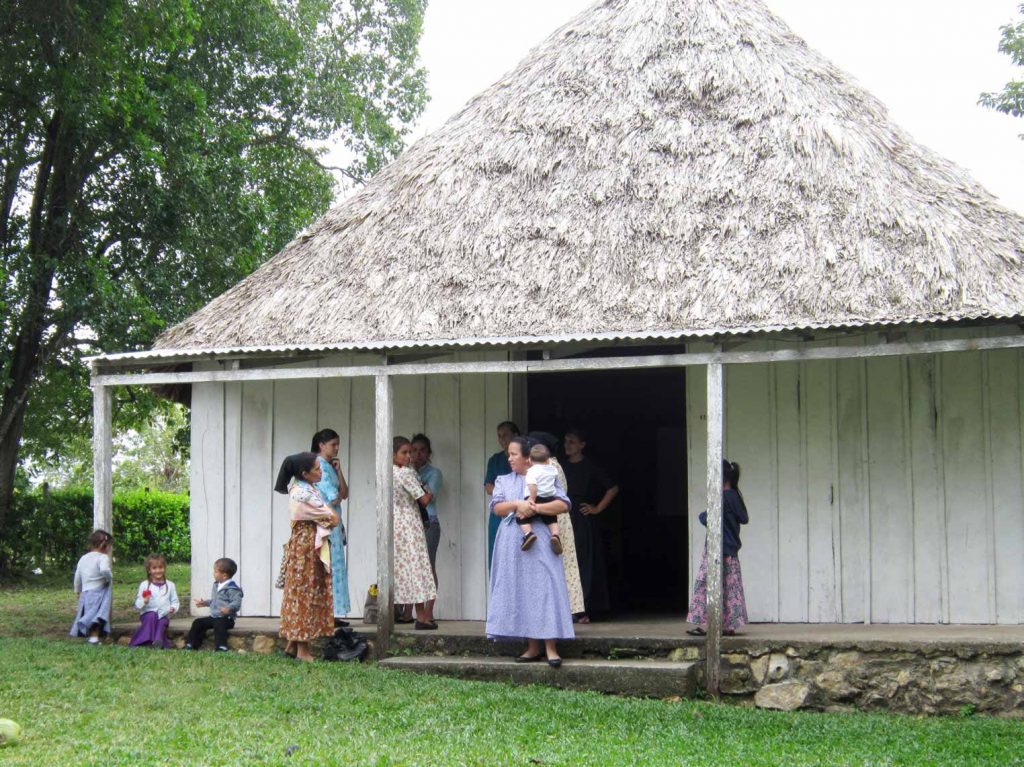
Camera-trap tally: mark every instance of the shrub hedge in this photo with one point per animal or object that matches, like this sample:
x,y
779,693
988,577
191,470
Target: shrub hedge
x,y
49,529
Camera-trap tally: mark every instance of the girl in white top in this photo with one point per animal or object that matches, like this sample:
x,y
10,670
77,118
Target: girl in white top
x,y
94,585
156,601
539,489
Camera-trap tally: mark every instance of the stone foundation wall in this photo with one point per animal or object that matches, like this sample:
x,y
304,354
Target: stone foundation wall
x,y
909,678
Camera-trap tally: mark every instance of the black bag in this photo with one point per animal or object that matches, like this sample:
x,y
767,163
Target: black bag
x,y
345,645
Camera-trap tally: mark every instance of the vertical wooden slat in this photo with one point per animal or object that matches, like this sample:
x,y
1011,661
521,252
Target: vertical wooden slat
x,y
385,518
102,488
714,496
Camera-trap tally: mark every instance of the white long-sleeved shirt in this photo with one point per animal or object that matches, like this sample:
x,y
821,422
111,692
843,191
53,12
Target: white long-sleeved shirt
x,y
93,572
162,597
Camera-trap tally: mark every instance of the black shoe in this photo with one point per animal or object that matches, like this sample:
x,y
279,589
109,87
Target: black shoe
x,y
555,662
421,626
405,620
696,632
529,658
339,623
528,540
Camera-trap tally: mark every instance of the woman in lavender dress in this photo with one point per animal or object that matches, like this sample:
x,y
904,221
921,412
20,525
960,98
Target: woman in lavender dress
x,y
529,599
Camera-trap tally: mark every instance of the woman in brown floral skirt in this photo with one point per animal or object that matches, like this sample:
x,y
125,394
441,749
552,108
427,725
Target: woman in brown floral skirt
x,y
307,607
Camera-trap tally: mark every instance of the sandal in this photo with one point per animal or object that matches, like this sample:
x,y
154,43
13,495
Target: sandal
x,y
697,632
582,618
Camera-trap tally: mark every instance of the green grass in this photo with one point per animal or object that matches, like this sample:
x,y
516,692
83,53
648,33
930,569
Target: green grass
x,y
113,705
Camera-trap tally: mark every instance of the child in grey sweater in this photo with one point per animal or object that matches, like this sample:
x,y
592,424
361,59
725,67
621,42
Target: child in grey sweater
x,y
225,601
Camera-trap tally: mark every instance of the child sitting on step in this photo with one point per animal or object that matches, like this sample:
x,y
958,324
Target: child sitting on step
x,y
156,602
225,601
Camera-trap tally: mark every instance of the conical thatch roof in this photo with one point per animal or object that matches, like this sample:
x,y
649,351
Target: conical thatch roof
x,y
654,167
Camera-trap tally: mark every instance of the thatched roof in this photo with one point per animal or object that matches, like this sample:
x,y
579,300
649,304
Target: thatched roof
x,y
670,167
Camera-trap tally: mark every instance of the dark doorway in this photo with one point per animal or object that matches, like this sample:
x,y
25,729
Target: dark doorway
x,y
636,426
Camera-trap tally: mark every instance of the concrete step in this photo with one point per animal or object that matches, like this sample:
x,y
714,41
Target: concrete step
x,y
640,678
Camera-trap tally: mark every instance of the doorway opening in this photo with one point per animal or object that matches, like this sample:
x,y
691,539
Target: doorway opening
x,y
635,421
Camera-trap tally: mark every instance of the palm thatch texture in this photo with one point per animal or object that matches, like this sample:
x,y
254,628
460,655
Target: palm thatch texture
x,y
654,165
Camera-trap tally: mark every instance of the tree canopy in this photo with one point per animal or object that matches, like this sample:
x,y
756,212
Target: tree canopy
x,y
1010,100
153,153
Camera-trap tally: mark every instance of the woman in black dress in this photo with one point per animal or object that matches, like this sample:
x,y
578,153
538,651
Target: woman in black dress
x,y
591,491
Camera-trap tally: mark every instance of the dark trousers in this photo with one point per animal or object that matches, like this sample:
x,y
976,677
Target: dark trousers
x,y
220,627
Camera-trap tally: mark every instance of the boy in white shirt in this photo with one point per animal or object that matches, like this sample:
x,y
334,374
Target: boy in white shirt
x,y
540,488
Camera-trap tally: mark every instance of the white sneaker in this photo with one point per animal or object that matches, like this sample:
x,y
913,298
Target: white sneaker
x,y
93,640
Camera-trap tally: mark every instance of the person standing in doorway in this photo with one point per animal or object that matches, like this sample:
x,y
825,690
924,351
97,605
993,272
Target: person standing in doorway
x,y
591,492
334,489
734,514
497,465
413,577
431,478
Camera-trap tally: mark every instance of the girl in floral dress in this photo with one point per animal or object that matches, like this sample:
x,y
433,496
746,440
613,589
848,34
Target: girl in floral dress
x,y
734,514
414,579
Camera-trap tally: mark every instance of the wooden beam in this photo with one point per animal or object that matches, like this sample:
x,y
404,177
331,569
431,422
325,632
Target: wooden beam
x,y
716,411
102,484
572,365
385,516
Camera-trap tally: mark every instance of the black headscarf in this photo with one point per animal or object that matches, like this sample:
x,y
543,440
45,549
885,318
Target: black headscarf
x,y
293,467
546,438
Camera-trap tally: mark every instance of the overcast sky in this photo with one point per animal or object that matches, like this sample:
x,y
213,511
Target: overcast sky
x,y
928,60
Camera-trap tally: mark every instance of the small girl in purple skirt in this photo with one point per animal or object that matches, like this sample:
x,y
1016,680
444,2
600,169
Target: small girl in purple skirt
x,y
157,601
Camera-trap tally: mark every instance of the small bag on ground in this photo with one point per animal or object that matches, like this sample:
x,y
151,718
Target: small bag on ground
x,y
345,645
370,605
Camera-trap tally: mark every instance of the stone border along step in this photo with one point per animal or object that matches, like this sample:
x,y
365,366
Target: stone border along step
x,y
638,678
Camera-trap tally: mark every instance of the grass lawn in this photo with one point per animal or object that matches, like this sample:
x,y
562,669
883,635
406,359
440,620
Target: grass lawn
x,y
112,705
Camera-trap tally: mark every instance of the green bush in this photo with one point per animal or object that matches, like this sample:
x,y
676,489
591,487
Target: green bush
x,y
49,529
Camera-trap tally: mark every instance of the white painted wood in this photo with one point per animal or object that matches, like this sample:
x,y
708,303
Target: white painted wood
x,y
498,396
697,467
965,487
206,517
796,354
475,443
294,425
749,440
792,495
408,405
362,503
891,535
1005,439
442,426
926,478
817,397
716,433
256,490
385,511
102,456
852,491
233,471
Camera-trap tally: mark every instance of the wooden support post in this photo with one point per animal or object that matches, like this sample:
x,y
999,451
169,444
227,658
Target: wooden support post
x,y
716,410
385,516
102,483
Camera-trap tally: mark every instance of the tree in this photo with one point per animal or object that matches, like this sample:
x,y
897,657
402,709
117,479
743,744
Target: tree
x,y
1010,100
153,153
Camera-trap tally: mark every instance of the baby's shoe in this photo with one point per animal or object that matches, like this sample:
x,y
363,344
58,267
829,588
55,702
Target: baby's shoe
x,y
222,648
556,544
528,540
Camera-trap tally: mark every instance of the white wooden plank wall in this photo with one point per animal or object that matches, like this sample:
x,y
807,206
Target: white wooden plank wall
x,y
886,489
242,432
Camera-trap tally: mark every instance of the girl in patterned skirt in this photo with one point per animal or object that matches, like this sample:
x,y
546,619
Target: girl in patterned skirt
x,y
734,514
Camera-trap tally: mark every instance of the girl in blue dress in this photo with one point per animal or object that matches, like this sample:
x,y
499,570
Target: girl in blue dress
x,y
334,489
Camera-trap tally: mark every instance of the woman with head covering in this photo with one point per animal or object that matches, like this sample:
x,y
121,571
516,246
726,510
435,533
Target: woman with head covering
x,y
307,608
414,579
569,562
529,599
591,491
334,489
734,514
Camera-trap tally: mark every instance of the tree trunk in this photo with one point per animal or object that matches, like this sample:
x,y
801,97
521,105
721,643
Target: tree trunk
x,y
9,462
